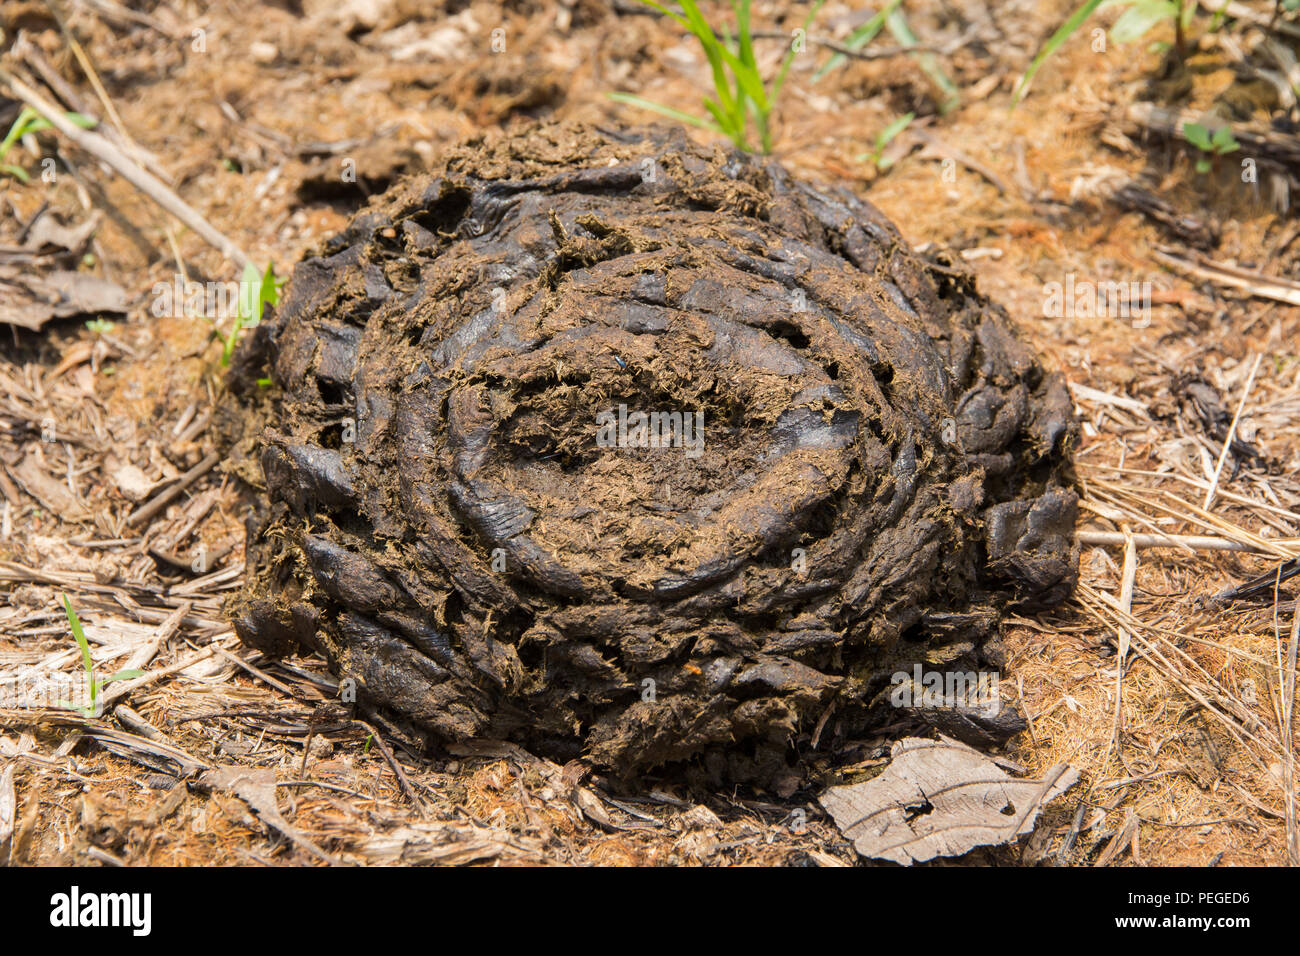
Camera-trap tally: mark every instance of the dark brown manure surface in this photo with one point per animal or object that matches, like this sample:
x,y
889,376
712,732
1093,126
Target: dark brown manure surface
x,y
618,446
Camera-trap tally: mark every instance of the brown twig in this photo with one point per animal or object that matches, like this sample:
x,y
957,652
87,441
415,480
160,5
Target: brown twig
x,y
165,497
1196,542
402,781
131,171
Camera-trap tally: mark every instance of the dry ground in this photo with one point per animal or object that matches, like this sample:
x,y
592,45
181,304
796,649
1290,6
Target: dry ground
x,y
1170,704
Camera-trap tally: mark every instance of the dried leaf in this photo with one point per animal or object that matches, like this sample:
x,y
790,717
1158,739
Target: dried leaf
x,y
32,300
940,798
49,233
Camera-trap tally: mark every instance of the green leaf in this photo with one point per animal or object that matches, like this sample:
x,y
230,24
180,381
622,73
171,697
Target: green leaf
x,y
17,130
730,126
1053,44
1134,22
270,292
30,121
666,12
251,307
713,51
1223,140
747,80
40,124
74,622
1198,136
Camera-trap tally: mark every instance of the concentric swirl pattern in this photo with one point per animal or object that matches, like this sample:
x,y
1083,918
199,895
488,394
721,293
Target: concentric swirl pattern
x,y
625,448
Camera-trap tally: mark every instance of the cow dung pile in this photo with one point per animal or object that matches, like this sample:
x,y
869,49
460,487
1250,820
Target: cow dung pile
x,y
627,448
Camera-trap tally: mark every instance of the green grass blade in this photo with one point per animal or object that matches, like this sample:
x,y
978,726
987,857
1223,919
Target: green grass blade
x,y
17,130
668,111
859,38
727,124
886,135
788,61
744,36
713,51
902,31
748,82
744,46
1053,44
87,662
1137,20
74,622
659,7
41,124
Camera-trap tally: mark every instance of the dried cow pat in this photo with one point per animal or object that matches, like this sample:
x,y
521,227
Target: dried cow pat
x,y
624,447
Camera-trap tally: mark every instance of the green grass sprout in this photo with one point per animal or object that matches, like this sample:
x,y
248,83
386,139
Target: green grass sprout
x,y
884,138
94,685
265,288
740,96
1211,145
29,121
859,38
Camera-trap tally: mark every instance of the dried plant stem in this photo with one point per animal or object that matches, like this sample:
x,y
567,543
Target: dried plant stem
x,y
132,172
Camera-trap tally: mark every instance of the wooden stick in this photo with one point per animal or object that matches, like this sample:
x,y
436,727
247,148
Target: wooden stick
x,y
868,53
141,179
1197,542
164,498
1256,284
260,675
1239,11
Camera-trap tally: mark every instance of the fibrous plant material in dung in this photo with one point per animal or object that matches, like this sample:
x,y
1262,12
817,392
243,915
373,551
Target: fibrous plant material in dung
x,y
627,448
